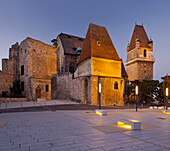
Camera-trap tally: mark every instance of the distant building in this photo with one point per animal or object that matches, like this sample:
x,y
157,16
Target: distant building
x,y
69,49
140,56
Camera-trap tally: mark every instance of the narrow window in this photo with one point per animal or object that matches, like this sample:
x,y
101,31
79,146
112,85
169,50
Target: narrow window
x,y
22,86
47,88
22,70
144,53
98,43
116,85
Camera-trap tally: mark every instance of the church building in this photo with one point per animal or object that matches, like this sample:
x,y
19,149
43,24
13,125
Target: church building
x,y
99,64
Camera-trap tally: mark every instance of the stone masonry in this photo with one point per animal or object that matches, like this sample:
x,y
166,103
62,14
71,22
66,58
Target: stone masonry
x,y
140,56
6,82
38,62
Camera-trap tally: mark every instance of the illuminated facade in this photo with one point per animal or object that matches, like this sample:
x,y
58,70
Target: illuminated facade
x,y
140,56
99,59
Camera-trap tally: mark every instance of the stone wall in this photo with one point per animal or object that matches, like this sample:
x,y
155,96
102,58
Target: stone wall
x,y
109,95
5,65
64,87
6,82
13,100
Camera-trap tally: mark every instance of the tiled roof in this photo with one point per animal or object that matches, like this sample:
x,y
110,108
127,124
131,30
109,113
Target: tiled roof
x,y
104,48
139,32
71,43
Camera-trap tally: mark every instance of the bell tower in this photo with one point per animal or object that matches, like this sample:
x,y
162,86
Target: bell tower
x,y
140,56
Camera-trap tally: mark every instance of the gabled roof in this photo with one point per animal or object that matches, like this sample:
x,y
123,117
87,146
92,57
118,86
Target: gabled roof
x,y
139,32
70,43
104,48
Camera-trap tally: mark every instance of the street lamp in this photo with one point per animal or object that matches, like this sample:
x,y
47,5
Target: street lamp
x,y
167,98
100,89
136,93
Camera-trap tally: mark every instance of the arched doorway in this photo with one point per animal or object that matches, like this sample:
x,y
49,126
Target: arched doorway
x,y
38,92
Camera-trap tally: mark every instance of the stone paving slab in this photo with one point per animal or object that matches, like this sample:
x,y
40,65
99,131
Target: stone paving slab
x,y
74,131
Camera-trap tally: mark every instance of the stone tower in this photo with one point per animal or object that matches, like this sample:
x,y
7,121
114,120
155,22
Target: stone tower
x,y
140,56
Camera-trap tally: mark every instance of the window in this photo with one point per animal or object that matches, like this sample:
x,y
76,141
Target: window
x,y
22,70
80,39
98,43
22,86
116,85
46,88
71,67
144,53
69,36
74,48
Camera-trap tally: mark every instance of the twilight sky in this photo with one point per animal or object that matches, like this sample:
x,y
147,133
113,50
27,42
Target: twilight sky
x,y
45,19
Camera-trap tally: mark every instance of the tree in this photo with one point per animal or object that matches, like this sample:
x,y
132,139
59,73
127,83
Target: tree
x,y
147,88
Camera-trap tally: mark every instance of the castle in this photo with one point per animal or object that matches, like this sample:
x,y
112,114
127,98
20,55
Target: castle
x,y
78,68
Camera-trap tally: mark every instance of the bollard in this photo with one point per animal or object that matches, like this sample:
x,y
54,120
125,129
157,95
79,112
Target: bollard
x,y
34,103
21,104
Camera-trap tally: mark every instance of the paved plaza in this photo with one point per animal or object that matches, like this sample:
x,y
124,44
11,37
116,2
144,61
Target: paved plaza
x,y
83,130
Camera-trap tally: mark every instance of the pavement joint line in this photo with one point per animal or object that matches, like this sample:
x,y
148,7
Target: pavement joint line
x,y
146,141
79,119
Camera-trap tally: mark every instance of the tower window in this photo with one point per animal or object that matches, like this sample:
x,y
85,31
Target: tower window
x,y
144,53
116,85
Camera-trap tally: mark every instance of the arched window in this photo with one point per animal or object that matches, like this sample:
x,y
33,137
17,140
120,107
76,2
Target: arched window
x,y
116,85
144,52
71,67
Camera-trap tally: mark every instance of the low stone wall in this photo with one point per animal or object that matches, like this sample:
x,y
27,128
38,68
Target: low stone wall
x,y
64,87
13,100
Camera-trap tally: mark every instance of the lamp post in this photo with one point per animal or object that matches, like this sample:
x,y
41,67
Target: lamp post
x,y
167,93
136,93
100,88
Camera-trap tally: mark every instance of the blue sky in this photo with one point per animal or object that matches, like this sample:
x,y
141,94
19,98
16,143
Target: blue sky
x,y
45,19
